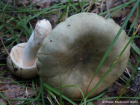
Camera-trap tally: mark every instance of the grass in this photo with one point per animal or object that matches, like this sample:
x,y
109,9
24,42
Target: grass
x,y
19,23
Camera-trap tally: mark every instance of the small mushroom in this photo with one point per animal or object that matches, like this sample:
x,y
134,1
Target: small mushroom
x,y
71,53
22,58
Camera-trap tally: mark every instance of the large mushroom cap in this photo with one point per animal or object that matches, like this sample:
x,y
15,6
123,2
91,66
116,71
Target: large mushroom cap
x,y
74,49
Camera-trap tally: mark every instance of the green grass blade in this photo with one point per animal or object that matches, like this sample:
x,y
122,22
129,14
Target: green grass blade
x,y
41,87
117,7
110,47
58,93
62,15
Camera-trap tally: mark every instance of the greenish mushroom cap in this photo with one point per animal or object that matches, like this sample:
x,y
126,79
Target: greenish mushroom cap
x,y
73,51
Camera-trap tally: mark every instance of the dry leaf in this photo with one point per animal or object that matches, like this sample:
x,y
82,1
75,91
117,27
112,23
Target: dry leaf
x,y
121,90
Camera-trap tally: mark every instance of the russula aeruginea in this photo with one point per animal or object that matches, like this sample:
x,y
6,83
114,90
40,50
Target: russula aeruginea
x,y
22,59
72,52
74,49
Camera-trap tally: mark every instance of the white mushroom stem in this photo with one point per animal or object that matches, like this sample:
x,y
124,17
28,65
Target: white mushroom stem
x,y
42,29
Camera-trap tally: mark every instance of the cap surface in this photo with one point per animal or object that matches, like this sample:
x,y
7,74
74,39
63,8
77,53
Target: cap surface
x,y
74,50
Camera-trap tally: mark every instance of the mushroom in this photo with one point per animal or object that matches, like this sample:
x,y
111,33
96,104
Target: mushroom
x,y
71,53
22,58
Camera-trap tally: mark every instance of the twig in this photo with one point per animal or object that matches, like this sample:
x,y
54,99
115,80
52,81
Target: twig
x,y
4,46
126,70
7,52
102,6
